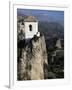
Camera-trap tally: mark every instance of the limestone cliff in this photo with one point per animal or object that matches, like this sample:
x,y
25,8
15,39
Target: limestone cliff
x,y
31,59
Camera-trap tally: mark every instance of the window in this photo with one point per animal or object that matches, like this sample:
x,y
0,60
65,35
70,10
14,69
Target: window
x,y
22,23
30,27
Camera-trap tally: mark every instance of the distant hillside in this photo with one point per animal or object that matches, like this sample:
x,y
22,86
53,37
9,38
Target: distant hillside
x,y
51,29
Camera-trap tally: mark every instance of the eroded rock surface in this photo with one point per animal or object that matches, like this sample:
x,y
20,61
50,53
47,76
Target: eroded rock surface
x,y
32,59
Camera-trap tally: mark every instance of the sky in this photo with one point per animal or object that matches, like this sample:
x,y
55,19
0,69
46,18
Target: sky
x,y
43,15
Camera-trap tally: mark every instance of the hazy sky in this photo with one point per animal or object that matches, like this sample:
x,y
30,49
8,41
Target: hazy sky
x,y
44,15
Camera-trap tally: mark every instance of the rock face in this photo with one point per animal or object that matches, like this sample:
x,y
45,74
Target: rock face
x,y
58,43
31,59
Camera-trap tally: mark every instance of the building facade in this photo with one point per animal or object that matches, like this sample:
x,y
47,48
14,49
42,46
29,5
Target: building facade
x,y
30,27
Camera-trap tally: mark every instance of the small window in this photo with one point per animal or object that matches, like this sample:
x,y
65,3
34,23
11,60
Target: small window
x,y
22,23
30,27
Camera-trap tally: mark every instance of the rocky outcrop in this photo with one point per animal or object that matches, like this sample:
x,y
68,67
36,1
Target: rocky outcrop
x,y
32,59
58,44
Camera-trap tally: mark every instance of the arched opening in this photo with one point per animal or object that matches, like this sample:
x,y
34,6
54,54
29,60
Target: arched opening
x,y
30,27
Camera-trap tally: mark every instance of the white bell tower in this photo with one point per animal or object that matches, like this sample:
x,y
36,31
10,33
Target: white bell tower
x,y
31,27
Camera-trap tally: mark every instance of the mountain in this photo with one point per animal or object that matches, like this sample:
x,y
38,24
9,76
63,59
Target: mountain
x,y
37,58
51,29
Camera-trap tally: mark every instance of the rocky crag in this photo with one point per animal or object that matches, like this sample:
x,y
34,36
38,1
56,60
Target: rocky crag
x,y
32,59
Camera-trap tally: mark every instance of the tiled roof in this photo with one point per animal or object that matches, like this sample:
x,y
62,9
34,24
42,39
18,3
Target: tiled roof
x,y
30,19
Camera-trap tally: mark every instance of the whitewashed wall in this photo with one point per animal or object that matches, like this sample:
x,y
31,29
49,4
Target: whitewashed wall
x,y
28,33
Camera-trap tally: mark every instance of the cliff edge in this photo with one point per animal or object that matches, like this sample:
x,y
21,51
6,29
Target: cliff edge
x,y
32,59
